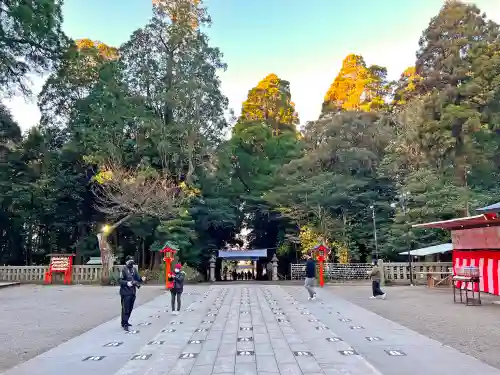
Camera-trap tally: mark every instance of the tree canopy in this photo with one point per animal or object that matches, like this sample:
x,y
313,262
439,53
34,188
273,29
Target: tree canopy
x,y
136,138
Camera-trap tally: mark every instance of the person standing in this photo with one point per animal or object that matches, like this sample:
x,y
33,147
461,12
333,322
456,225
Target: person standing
x,y
176,292
310,277
129,283
375,276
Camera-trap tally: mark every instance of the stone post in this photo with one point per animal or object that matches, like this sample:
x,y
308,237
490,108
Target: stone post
x,y
212,268
380,264
275,268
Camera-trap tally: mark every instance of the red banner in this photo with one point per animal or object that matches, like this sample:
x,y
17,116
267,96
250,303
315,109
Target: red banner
x,y
488,262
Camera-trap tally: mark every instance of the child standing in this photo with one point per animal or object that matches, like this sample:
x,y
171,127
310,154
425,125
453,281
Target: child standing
x,y
176,292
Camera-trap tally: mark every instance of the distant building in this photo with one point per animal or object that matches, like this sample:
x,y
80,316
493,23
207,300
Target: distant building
x,y
94,261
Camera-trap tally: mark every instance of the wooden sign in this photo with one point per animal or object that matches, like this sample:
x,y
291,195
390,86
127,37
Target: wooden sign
x,y
62,263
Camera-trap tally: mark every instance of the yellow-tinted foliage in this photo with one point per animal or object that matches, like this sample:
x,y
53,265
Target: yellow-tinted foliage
x,y
103,176
308,239
270,102
412,77
407,85
355,88
180,11
189,191
105,52
341,251
348,87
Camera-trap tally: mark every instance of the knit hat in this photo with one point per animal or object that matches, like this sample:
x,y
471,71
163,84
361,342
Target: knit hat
x,y
178,266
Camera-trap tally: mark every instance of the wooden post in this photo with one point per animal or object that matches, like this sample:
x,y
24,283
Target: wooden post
x,y
321,273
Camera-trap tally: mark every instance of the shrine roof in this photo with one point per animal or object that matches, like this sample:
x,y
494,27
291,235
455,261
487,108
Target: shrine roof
x,y
493,208
461,222
60,255
242,254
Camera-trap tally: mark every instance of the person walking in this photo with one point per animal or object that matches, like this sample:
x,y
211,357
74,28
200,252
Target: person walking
x,y
375,276
310,277
129,283
176,292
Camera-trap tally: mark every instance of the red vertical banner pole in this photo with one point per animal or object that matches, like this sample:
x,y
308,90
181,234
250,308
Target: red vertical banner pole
x,y
167,271
169,256
321,274
69,271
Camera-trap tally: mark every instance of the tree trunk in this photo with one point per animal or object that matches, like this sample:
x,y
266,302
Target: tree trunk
x,y
143,254
167,110
151,260
107,258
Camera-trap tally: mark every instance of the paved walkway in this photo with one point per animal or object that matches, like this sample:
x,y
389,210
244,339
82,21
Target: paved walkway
x,y
263,330
5,284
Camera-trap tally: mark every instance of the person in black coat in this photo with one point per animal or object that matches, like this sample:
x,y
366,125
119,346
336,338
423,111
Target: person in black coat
x,y
310,277
129,283
178,287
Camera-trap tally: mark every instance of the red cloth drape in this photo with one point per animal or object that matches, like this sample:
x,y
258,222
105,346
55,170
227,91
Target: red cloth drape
x,y
488,262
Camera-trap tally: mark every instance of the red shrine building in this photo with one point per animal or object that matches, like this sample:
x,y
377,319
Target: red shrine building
x,y
476,243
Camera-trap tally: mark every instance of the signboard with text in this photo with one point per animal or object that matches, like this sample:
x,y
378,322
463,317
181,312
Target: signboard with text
x,y
62,263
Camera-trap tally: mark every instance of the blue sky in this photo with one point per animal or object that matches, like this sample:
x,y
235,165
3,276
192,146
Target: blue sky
x,y
302,42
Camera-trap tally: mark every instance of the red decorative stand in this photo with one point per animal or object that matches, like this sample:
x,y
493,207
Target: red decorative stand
x,y
169,251
60,263
321,252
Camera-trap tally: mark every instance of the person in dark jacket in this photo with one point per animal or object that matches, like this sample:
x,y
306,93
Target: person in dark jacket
x,y
176,292
129,283
310,277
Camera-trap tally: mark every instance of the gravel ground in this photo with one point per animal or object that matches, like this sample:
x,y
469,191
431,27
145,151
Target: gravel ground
x,y
36,318
474,330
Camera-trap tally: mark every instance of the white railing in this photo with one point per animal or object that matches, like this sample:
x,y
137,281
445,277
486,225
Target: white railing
x,y
400,272
81,274
396,273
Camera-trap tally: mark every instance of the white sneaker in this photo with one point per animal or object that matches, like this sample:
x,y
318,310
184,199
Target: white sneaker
x,y
383,295
314,297
309,298
373,297
175,313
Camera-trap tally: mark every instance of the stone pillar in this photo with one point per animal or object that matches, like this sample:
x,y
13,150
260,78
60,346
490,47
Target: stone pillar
x,y
212,268
275,268
380,264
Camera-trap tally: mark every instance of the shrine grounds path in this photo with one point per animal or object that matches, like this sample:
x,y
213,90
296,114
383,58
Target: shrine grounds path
x,y
474,330
248,330
36,318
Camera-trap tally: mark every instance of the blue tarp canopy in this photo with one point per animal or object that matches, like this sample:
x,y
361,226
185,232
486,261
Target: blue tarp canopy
x,y
492,208
438,249
243,254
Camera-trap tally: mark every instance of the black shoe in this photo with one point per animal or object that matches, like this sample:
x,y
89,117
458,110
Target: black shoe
x,y
125,328
129,325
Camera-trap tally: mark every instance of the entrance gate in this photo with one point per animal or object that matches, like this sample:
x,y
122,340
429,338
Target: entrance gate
x,y
255,256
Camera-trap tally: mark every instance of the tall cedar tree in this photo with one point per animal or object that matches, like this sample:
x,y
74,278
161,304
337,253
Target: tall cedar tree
x,y
270,102
357,87
31,40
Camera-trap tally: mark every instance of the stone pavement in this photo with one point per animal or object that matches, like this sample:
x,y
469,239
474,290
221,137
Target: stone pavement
x,y
254,330
8,283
